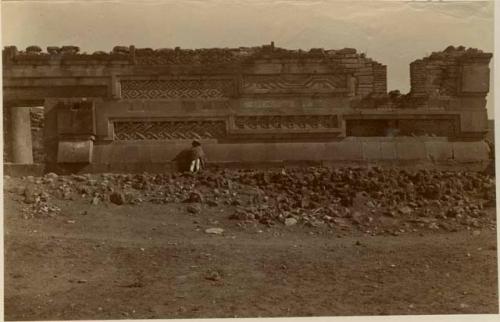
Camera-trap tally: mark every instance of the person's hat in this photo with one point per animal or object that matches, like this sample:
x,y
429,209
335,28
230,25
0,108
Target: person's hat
x,y
196,142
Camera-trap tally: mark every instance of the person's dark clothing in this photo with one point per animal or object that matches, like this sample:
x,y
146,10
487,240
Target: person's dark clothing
x,y
186,157
197,153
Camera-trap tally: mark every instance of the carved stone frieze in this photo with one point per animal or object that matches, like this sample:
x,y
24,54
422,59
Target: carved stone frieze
x,y
294,84
169,130
176,89
286,122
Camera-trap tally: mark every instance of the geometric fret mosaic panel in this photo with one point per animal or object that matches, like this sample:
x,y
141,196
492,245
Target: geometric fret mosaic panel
x,y
169,130
176,89
294,84
290,122
216,129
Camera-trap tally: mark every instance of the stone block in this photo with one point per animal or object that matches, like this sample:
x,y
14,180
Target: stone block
x,y
364,71
379,151
388,151
75,151
297,151
365,79
20,170
411,150
76,118
116,90
344,150
475,78
349,61
439,151
371,151
470,151
473,121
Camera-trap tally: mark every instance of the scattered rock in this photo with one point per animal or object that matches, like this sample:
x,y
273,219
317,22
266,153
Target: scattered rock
x,y
377,200
30,194
79,178
405,210
194,209
94,201
241,214
51,175
195,197
214,276
236,202
212,203
214,231
117,198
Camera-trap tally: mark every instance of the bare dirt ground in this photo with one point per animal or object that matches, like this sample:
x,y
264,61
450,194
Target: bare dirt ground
x,y
110,261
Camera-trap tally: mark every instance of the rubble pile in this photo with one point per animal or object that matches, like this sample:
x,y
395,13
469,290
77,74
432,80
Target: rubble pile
x,y
37,202
373,200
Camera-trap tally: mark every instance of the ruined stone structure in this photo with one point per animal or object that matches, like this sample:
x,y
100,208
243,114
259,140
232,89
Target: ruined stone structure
x,y
135,109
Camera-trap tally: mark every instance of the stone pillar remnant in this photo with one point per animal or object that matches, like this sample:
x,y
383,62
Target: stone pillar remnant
x,y
20,129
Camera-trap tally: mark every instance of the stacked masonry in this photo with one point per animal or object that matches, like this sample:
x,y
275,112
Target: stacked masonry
x,y
439,73
370,76
136,108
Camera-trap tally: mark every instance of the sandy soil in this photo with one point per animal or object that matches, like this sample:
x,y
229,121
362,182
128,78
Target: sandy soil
x,y
156,261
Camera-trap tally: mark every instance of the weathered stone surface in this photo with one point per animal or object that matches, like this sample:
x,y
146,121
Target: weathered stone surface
x,y
19,129
470,152
289,105
439,73
75,151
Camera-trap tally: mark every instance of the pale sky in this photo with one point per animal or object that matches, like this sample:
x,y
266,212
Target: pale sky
x,y
392,32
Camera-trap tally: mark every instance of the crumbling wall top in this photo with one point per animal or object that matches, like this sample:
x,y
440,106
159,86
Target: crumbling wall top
x,y
451,72
174,56
455,53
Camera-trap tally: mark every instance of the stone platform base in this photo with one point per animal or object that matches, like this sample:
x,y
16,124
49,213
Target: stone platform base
x,y
398,149
156,156
20,170
407,152
170,167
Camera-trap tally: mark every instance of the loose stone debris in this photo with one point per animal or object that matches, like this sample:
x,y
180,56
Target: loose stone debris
x,y
214,231
373,200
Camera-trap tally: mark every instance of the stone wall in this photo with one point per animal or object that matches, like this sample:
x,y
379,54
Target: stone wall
x,y
449,73
7,139
103,107
37,133
324,72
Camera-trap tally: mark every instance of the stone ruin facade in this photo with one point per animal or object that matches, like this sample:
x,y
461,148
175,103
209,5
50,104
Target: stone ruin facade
x,y
134,109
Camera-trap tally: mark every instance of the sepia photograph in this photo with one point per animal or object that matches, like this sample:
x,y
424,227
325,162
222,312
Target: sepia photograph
x,y
195,159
